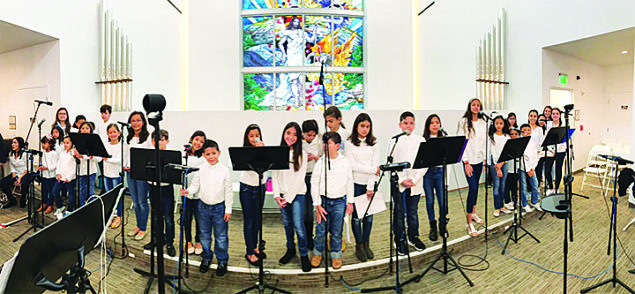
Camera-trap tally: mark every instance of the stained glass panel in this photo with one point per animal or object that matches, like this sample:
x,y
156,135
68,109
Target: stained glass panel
x,y
348,89
318,37
290,40
258,89
257,41
348,41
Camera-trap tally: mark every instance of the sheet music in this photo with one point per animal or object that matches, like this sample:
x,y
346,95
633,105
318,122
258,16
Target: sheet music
x,y
361,203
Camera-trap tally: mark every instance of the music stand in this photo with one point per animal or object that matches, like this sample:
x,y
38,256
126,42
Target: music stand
x,y
142,168
88,145
31,210
48,254
442,151
260,160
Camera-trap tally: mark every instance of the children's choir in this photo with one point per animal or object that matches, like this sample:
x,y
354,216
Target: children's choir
x,y
311,200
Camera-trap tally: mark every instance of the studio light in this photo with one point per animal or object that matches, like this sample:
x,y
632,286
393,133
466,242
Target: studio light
x,y
153,103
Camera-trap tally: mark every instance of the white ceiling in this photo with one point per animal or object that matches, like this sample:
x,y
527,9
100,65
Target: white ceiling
x,y
602,49
14,37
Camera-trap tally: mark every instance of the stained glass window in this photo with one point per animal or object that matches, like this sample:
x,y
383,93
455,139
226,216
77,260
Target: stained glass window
x,y
284,44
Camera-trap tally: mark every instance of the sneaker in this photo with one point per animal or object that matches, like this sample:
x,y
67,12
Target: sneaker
x,y
401,248
550,191
198,248
171,250
221,270
497,212
527,209
49,209
148,246
287,256
336,263
140,235
510,206
477,219
204,266
417,244
133,232
316,260
505,210
190,248
537,206
306,264
115,222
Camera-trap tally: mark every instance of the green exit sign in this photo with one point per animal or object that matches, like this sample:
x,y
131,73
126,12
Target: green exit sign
x,y
563,78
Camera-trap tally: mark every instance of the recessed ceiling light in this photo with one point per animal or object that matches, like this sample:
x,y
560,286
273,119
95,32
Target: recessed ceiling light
x,y
624,52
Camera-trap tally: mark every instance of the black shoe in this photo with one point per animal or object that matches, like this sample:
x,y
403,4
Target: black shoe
x,y
306,264
287,256
369,253
417,243
148,246
433,231
22,204
8,204
204,266
171,250
401,248
442,229
360,253
221,270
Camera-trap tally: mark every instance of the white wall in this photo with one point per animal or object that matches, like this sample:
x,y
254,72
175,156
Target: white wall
x,y
25,75
215,48
450,30
619,91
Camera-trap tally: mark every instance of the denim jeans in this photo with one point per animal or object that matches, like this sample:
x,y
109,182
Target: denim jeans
x,y
335,209
361,227
293,221
533,183
433,181
499,185
251,214
167,201
191,212
472,182
111,183
139,193
83,192
411,212
212,218
70,187
47,190
9,181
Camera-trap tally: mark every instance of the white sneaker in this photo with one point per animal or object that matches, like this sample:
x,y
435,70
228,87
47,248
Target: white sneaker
x,y
497,213
537,206
550,191
527,209
505,210
510,205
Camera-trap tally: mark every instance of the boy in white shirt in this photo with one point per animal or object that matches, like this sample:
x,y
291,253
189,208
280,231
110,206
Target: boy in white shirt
x,y
214,187
312,145
527,172
410,187
331,205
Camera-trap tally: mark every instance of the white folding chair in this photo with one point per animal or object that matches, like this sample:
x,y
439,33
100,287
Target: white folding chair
x,y
596,167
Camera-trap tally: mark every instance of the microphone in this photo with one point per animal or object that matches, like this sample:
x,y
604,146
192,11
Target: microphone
x,y
181,167
619,159
399,166
568,107
49,103
484,115
257,140
124,124
406,132
41,122
544,119
187,147
443,132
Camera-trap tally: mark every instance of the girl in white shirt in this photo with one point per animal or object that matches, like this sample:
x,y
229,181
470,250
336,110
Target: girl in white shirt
x,y
498,135
249,188
363,154
17,174
62,121
289,192
537,136
65,175
112,167
560,151
473,127
191,201
47,169
138,137
58,135
547,112
333,117
433,180
91,163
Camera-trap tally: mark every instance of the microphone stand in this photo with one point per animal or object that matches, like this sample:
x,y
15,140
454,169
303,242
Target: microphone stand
x,y
327,167
31,212
124,248
488,123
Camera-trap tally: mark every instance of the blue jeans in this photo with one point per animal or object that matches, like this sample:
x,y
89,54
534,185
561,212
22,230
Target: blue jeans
x,y
109,184
139,193
533,183
167,200
433,180
9,181
212,217
472,182
335,209
361,227
83,193
293,221
70,187
411,212
191,212
499,185
47,190
251,214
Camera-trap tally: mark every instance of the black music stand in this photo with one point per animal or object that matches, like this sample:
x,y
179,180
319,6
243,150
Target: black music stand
x,y
48,254
142,168
260,160
513,150
442,151
87,145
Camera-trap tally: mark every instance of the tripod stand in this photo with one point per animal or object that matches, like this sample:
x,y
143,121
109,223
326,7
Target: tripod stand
x,y
31,211
442,151
613,231
260,160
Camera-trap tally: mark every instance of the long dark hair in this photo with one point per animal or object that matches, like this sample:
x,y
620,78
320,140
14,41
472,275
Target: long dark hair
x,y
250,128
297,146
90,126
20,147
50,140
468,115
116,128
67,122
543,112
492,128
334,112
544,127
144,134
354,137
199,152
426,130
60,138
559,119
515,120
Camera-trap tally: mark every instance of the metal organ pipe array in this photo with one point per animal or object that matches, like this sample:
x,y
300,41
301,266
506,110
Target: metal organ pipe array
x,y
490,65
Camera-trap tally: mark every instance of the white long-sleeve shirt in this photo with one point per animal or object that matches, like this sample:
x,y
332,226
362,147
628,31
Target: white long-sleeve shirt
x,y
49,160
290,182
475,150
112,165
537,136
406,150
213,185
197,162
340,180
84,162
496,147
250,178
102,130
17,165
315,148
134,143
530,157
66,165
364,162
